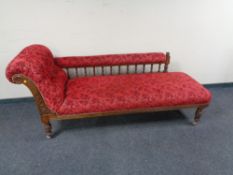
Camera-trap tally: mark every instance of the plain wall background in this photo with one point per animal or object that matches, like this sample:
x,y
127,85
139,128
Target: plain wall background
x,y
198,33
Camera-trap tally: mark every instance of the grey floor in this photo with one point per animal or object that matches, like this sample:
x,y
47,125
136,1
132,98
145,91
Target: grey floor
x,y
157,143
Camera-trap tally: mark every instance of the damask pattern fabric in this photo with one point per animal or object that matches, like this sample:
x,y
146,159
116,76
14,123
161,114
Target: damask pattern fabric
x,y
36,62
134,91
110,60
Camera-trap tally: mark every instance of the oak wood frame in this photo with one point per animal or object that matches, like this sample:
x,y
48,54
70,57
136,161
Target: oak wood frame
x,y
46,115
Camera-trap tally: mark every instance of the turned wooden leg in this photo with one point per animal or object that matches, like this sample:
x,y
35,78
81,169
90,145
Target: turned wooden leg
x,y
48,130
198,114
47,126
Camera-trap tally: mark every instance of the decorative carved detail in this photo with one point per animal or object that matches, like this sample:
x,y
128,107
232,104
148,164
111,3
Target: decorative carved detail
x,y
42,107
45,112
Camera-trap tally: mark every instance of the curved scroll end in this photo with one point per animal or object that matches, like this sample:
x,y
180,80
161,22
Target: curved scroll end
x,y
31,59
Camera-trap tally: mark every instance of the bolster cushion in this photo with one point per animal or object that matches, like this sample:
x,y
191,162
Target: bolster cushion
x,y
110,60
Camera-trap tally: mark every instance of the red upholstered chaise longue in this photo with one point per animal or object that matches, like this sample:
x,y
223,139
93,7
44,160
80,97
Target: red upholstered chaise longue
x,y
95,86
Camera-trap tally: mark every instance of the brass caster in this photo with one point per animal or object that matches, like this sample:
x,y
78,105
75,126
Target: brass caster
x,y
48,136
195,123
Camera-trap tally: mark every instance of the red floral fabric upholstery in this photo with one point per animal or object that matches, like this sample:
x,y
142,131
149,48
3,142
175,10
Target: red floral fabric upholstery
x,y
104,93
36,62
110,60
133,91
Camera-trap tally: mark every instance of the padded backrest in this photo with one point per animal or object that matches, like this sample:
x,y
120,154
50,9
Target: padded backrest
x,y
79,66
36,62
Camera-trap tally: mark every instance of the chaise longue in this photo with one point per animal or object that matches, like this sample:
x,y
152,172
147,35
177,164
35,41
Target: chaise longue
x,y
77,87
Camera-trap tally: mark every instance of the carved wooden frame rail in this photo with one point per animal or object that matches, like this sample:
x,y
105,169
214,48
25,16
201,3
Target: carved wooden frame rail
x,y
46,115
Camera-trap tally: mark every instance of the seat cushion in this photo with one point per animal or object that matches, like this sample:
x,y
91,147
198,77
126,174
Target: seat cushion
x,y
133,91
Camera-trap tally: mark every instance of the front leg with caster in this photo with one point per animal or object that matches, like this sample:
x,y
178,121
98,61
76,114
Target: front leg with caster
x,y
48,130
47,126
